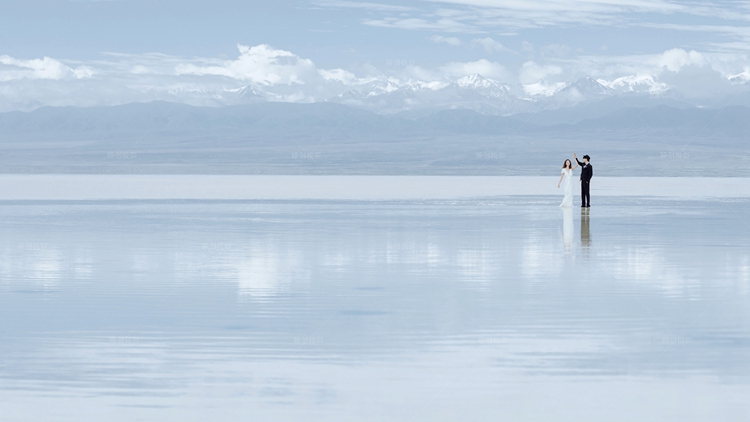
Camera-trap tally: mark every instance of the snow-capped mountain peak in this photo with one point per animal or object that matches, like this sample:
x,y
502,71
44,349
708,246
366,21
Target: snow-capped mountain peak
x,y
371,89
246,92
485,86
413,85
588,86
741,78
543,88
582,90
637,83
475,81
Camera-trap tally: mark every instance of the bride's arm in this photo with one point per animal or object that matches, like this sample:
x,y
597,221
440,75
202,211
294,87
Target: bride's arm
x,y
561,177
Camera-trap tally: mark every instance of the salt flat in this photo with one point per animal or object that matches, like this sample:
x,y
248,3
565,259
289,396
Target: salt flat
x,y
240,187
504,308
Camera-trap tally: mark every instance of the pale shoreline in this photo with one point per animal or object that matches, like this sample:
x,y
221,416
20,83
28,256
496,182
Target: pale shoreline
x,y
372,188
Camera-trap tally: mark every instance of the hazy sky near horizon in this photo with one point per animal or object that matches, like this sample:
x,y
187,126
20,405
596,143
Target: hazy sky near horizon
x,y
55,50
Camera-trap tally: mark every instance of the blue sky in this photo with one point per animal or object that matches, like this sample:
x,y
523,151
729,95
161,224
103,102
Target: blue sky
x,y
65,52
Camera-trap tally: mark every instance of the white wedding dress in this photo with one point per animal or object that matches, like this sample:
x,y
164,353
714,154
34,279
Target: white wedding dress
x,y
567,185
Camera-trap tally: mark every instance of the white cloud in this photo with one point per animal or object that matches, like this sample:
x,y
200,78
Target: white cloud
x,y
263,72
725,20
83,72
454,41
442,24
676,58
694,81
414,72
540,13
612,67
531,72
269,67
484,67
261,64
491,46
718,39
340,75
44,68
543,88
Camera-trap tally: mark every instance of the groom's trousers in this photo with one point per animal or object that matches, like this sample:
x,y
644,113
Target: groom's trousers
x,y
585,196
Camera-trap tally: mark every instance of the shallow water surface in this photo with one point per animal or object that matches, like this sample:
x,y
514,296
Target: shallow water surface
x,y
497,309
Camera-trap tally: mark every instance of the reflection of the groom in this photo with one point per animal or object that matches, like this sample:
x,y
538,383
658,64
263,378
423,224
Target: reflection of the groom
x,y
585,231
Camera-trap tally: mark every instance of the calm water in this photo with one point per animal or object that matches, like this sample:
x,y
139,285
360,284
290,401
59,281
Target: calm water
x,y
501,309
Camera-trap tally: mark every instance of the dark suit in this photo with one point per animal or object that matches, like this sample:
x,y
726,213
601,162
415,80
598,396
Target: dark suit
x,y
587,172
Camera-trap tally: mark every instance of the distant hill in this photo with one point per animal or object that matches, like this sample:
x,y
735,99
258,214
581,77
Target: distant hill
x,y
161,120
326,138
158,119
596,109
727,122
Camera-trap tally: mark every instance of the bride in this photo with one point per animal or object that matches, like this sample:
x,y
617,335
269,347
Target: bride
x,y
566,179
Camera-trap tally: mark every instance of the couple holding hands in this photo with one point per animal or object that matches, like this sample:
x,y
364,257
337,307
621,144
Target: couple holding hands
x,y
566,180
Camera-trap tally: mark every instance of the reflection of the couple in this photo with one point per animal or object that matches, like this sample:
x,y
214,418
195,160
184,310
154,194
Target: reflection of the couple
x,y
568,228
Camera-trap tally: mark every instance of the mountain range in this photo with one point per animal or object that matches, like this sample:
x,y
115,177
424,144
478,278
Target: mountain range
x,y
417,98
328,138
163,121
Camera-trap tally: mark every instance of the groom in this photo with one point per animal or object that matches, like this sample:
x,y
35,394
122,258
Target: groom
x,y
587,172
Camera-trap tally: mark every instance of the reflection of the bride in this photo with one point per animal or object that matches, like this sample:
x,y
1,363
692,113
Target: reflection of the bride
x,y
585,230
567,227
